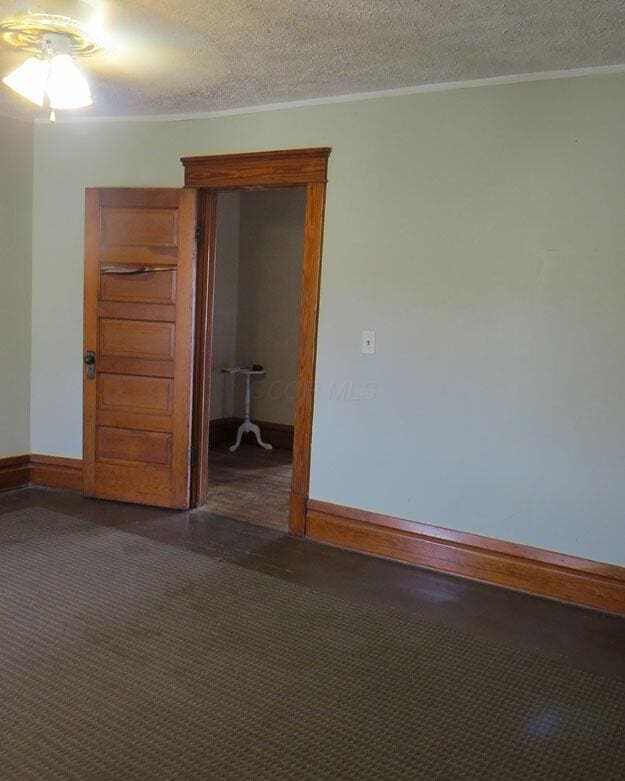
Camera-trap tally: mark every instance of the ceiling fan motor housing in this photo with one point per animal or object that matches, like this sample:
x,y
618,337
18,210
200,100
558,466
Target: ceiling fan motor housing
x,y
56,43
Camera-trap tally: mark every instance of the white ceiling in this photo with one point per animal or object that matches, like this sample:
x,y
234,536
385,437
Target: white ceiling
x,y
191,56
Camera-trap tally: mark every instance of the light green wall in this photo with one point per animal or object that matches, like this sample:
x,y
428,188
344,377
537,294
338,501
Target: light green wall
x,y
16,184
480,232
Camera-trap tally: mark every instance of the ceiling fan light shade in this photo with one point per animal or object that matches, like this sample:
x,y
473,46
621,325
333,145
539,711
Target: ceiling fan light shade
x,y
30,80
67,88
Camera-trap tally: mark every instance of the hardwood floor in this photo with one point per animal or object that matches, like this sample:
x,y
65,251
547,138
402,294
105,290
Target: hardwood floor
x,y
250,485
585,638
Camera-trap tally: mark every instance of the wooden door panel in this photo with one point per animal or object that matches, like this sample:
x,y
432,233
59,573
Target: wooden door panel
x,y
152,288
121,310
138,409
139,197
145,483
128,227
115,444
138,366
141,256
133,421
137,339
126,393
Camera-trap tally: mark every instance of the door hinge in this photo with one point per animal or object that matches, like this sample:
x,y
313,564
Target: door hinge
x,y
198,234
192,455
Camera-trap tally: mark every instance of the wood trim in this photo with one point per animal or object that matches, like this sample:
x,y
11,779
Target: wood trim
x,y
50,471
56,472
280,435
90,334
280,168
223,431
523,568
284,168
14,472
307,353
205,277
186,269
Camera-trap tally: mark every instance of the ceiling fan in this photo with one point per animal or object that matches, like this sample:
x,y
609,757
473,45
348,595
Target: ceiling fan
x,y
52,51
50,76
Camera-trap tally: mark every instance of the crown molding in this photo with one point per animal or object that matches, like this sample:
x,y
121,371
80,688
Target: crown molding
x,y
491,81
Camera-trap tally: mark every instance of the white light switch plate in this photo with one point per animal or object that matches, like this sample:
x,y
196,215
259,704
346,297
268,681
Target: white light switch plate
x,y
368,342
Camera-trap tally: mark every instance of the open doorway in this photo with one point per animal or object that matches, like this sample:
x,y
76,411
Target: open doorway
x,y
210,176
259,247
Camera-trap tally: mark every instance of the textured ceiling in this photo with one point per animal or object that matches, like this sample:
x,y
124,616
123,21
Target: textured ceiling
x,y
191,56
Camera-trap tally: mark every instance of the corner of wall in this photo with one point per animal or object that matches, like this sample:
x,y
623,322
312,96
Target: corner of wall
x,y
16,207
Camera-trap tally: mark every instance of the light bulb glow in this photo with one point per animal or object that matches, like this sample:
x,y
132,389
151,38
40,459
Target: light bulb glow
x,y
67,88
30,80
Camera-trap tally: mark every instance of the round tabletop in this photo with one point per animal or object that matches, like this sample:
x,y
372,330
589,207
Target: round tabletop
x,y
242,370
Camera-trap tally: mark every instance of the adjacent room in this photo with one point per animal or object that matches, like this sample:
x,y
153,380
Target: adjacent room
x,y
311,403
255,329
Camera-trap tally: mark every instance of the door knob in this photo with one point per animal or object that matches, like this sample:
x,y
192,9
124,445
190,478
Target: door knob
x,y
89,361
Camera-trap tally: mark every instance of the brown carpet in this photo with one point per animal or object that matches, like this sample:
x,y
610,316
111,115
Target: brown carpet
x,y
122,658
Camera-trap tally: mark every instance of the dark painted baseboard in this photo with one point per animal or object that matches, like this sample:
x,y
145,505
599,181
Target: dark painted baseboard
x,y
519,567
223,431
50,471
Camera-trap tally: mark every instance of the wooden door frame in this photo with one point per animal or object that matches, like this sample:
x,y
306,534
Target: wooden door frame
x,y
259,171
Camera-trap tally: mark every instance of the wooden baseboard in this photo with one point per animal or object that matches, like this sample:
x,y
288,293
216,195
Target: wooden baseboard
x,y
56,472
49,471
14,472
280,435
223,431
532,570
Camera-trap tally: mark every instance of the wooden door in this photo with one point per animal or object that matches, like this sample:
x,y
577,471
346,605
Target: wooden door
x,y
140,248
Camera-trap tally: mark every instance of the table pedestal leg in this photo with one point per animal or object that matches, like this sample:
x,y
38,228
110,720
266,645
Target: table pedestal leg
x,y
247,424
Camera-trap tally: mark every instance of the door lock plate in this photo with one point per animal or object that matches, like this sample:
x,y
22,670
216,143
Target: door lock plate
x,y
89,361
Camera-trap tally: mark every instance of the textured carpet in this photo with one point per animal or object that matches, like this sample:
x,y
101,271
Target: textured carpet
x,y
122,658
